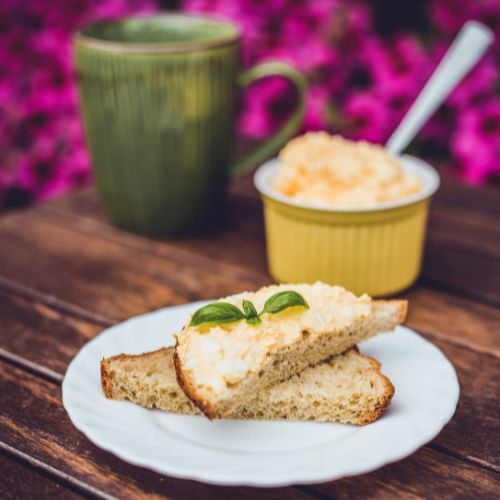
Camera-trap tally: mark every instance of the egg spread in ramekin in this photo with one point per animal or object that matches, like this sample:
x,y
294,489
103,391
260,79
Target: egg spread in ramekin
x,y
346,213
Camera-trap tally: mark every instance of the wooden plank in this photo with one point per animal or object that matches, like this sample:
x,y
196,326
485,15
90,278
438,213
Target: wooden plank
x,y
440,313
423,475
39,337
21,482
34,422
471,433
483,199
101,276
471,324
476,276
464,230
223,250
48,340
455,319
461,251
239,242
461,216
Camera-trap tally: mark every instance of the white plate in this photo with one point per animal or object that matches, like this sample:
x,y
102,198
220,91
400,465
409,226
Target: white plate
x,y
231,452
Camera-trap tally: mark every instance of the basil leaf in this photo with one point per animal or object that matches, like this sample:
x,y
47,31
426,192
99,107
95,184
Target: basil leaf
x,y
249,310
217,312
254,320
283,300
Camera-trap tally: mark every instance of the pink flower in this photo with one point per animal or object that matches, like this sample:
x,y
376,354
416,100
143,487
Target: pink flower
x,y
265,105
478,85
476,141
360,82
309,56
449,15
399,66
365,118
351,25
38,168
116,8
42,151
437,132
305,18
76,167
316,117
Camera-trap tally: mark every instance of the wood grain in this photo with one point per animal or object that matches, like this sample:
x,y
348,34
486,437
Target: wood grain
x,y
65,274
471,324
34,422
443,314
457,233
22,482
423,475
468,435
484,199
239,242
40,337
470,432
476,275
459,228
89,272
455,319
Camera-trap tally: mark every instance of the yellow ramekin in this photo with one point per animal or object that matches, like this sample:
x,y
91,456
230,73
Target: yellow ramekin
x,y
366,250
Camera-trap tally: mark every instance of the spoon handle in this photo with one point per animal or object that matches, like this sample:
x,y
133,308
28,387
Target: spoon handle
x,y
467,48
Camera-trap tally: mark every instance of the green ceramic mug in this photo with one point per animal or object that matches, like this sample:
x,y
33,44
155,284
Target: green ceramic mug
x,y
158,97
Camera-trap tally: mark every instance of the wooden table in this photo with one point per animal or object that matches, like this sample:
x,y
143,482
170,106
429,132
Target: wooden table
x,y
65,274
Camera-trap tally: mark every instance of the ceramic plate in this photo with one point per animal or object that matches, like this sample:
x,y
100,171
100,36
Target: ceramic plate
x,y
257,453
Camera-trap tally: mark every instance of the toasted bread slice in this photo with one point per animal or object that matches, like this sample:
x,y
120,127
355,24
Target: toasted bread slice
x,y
223,367
348,388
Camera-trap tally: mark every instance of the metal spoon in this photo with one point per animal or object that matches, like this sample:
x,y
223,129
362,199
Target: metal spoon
x,y
465,51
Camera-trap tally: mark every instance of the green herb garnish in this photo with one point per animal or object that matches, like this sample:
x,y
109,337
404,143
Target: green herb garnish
x,y
251,314
216,313
283,300
222,312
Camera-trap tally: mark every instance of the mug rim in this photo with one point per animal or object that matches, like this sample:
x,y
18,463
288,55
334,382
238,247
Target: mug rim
x,y
427,174
81,38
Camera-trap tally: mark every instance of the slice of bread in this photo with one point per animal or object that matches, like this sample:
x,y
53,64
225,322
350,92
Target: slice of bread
x,y
348,388
344,320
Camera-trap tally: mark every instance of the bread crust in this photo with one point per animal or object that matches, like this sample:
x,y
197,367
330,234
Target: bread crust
x,y
402,306
106,378
389,387
188,389
107,374
382,406
110,379
214,413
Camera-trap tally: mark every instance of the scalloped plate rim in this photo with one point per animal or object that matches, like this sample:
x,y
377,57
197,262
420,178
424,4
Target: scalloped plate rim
x,y
371,463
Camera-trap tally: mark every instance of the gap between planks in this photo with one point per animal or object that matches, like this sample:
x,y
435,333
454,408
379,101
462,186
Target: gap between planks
x,y
79,312
81,487
136,242
200,261
464,458
56,378
56,475
65,215
476,296
84,488
54,302
96,318
88,224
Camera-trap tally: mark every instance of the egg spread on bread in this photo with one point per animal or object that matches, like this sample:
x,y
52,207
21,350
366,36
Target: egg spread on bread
x,y
223,354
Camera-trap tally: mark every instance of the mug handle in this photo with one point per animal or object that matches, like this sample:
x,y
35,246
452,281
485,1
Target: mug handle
x,y
272,144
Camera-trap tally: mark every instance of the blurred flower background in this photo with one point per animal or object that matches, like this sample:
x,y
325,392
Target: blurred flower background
x,y
365,62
